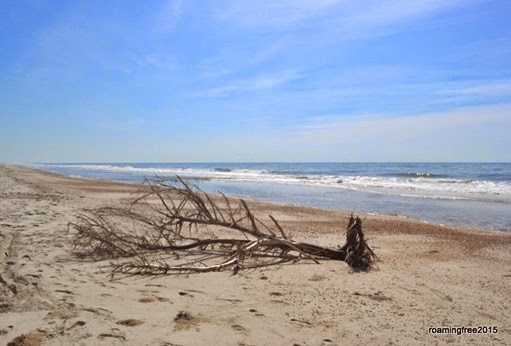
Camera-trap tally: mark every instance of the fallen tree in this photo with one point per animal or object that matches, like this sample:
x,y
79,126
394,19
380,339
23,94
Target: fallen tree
x,y
171,229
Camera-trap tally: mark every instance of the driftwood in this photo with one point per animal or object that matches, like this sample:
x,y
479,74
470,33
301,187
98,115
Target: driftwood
x,y
184,230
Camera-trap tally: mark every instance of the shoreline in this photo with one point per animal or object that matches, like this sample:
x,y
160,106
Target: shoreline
x,y
364,213
429,276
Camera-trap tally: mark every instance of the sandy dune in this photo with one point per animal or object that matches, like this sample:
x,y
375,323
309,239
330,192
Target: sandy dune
x,y
430,276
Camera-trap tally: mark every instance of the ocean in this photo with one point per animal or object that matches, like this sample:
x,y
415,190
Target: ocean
x,y
476,195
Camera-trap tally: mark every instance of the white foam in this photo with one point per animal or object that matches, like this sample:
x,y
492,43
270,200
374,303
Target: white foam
x,y
414,186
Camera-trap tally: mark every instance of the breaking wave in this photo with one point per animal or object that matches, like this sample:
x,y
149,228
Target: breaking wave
x,y
416,184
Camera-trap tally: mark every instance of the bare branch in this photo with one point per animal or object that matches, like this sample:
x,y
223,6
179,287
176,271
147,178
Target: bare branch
x,y
149,233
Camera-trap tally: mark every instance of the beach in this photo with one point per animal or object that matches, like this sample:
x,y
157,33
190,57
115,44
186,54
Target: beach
x,y
429,276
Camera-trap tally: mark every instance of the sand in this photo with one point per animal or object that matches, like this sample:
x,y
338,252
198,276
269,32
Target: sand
x,y
429,276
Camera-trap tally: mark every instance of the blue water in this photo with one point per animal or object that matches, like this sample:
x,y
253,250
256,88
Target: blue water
x,y
464,194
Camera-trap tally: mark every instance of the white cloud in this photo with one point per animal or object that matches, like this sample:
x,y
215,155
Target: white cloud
x,y
387,12
272,81
350,18
325,127
471,134
259,83
459,135
394,92
155,61
491,88
221,91
271,14
463,89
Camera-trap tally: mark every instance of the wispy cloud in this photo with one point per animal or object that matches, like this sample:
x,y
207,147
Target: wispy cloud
x,y
351,18
440,89
396,94
326,128
233,59
155,61
457,135
275,80
378,13
313,74
495,88
221,91
258,83
271,14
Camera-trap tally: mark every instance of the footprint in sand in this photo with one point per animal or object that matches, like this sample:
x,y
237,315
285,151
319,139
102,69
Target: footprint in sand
x,y
130,322
277,294
256,313
111,335
238,328
99,311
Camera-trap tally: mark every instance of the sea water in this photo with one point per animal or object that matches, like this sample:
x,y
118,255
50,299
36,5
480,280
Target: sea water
x,y
463,194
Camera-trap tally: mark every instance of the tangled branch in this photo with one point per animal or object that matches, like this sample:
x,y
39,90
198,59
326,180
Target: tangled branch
x,y
182,230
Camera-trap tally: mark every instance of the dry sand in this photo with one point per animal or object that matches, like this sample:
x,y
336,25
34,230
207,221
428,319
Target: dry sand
x,y
429,276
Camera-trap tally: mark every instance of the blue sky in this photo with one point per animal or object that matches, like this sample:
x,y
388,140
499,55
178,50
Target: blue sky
x,y
289,80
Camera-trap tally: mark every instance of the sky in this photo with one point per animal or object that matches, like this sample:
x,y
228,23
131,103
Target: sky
x,y
255,81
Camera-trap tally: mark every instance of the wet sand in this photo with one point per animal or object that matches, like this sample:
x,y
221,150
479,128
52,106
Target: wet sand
x,y
429,276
